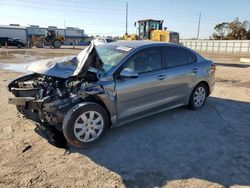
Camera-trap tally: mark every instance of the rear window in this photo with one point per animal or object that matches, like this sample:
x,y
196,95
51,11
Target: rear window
x,y
176,56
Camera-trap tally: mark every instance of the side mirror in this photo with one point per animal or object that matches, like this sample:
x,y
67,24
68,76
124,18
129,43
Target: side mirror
x,y
128,73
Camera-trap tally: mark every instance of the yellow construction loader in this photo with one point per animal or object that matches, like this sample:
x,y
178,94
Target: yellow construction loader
x,y
152,30
51,38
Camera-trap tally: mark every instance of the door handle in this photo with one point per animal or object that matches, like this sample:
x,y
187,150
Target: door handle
x,y
161,77
194,70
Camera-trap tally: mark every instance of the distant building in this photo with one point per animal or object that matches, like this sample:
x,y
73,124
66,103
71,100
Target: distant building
x,y
14,31
73,36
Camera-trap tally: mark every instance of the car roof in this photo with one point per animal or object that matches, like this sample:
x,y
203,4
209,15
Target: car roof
x,y
136,44
141,43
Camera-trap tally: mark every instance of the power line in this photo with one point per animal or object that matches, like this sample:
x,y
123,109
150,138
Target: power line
x,y
182,15
137,12
88,8
89,2
65,6
54,9
136,9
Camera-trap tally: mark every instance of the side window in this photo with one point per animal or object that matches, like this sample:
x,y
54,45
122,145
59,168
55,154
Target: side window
x,y
176,56
146,61
191,58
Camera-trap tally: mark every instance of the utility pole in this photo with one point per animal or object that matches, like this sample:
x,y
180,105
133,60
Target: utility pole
x,y
64,24
199,25
126,17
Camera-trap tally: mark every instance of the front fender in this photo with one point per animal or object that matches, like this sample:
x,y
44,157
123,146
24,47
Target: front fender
x,y
72,110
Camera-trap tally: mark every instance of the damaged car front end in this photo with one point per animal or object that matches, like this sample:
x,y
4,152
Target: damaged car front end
x,y
46,99
57,86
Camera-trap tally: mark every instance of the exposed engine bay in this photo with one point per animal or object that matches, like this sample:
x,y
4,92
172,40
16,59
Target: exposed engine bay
x,y
47,99
56,85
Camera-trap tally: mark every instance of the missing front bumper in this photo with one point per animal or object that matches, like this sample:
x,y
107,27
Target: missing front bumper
x,y
26,102
20,101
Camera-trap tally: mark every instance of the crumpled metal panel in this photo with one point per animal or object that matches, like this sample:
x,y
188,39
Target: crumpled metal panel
x,y
88,58
65,67
62,67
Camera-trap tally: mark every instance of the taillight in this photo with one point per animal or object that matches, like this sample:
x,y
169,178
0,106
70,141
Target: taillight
x,y
213,67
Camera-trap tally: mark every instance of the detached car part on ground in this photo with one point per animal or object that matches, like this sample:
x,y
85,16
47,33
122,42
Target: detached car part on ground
x,y
110,85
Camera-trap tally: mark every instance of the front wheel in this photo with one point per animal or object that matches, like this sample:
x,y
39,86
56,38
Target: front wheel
x,y
57,44
198,96
85,125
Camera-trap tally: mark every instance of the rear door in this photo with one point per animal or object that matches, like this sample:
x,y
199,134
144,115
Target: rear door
x,y
135,96
181,74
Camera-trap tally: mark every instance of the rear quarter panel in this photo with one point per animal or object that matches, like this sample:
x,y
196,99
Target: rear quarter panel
x,y
206,73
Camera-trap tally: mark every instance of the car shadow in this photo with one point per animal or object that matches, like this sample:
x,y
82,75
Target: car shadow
x,y
237,65
210,144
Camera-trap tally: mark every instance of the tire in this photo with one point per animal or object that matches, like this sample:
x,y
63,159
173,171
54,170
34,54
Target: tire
x,y
198,97
19,46
80,129
40,44
57,44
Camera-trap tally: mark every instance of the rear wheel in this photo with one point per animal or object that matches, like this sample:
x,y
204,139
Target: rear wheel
x,y
86,125
57,44
198,96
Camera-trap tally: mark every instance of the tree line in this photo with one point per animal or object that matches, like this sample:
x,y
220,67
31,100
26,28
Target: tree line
x,y
235,30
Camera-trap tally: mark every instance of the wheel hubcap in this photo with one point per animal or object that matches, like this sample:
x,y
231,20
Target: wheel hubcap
x,y
88,126
199,96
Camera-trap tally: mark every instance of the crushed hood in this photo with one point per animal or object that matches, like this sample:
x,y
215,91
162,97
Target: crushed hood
x,y
65,67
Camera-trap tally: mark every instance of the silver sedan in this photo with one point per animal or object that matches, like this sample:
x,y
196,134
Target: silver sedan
x,y
110,85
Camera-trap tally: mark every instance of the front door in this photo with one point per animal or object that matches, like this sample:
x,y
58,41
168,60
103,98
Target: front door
x,y
137,95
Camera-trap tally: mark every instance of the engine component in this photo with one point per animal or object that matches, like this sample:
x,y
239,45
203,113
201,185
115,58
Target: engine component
x,y
46,99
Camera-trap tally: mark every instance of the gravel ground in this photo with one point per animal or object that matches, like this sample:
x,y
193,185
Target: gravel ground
x,y
178,148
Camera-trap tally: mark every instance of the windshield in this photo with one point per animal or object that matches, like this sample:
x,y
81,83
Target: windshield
x,y
154,25
111,55
87,60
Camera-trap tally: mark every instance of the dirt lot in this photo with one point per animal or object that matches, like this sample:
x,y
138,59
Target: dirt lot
x,y
178,148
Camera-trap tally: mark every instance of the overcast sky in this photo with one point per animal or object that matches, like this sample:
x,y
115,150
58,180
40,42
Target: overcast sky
x,y
108,17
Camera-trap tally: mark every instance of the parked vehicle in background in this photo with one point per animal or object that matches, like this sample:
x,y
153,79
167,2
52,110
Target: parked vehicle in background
x,y
109,85
150,29
11,42
51,38
102,40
